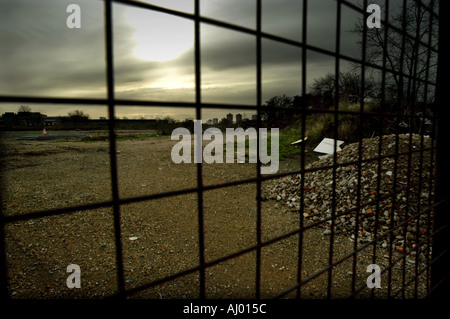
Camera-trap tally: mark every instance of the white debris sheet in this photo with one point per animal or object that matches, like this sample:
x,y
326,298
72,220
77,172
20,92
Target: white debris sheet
x,y
299,141
327,146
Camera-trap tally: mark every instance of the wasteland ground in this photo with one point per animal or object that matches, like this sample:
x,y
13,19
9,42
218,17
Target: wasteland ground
x,y
41,175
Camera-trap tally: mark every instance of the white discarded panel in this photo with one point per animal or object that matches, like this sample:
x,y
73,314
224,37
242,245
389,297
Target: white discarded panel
x,y
299,141
327,146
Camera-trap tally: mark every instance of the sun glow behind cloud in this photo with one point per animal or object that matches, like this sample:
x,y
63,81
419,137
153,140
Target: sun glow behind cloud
x,y
159,36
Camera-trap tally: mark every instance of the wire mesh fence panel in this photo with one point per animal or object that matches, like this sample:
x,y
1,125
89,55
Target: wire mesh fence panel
x,y
342,198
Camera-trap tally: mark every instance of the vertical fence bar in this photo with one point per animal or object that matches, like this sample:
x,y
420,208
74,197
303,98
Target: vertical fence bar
x,y
404,24
360,137
201,235
380,140
394,202
422,133
415,85
396,152
431,190
303,148
112,145
440,268
417,234
412,97
3,258
336,110
427,251
407,209
4,293
258,165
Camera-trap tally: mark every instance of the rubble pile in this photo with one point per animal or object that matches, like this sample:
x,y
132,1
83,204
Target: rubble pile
x,y
381,210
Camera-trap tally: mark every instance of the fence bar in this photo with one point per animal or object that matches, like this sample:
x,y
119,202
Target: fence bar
x,y
129,200
303,149
112,146
175,104
360,140
380,140
441,268
433,133
258,163
198,106
380,134
336,110
3,262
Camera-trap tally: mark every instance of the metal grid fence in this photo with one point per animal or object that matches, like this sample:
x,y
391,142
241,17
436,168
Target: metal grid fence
x,y
429,209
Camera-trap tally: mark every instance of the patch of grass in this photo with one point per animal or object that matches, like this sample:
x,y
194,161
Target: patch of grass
x,y
286,150
287,137
318,126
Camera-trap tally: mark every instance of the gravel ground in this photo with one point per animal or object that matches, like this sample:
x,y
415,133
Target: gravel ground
x,y
378,179
159,237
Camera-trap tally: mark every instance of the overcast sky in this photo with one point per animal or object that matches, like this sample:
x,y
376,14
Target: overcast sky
x,y
154,53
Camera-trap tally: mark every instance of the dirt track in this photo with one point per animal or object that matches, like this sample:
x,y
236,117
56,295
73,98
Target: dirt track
x,y
39,175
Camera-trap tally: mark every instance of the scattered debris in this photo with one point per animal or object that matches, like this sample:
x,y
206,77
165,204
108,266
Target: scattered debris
x,y
299,141
319,190
327,146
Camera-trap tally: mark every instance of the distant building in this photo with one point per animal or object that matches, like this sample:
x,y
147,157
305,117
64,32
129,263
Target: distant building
x,y
23,118
51,120
230,118
238,118
31,118
215,121
9,118
254,117
102,118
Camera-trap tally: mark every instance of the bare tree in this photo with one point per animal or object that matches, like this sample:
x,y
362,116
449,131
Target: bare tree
x,y
407,53
78,114
278,111
324,89
24,109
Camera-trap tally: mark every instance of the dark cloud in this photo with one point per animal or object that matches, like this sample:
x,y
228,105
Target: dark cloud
x,y
282,18
225,49
230,49
237,12
41,56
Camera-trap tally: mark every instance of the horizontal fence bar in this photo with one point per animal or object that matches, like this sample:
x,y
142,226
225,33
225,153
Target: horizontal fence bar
x,y
146,103
123,201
